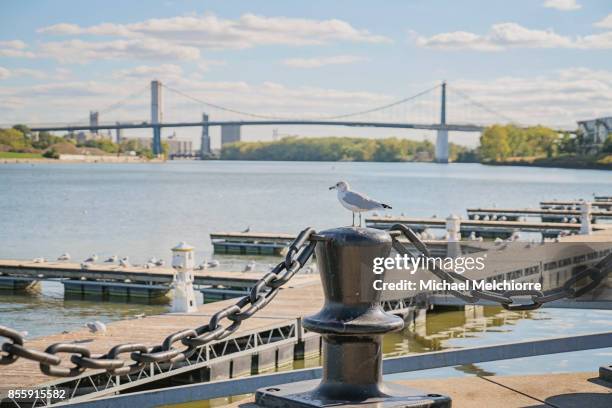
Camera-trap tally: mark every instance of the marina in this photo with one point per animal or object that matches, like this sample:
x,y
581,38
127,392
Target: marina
x,y
275,338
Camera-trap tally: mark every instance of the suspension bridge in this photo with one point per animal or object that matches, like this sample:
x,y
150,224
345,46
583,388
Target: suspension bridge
x,y
231,120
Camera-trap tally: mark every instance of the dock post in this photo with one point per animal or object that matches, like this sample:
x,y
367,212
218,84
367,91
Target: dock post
x,y
352,323
184,300
453,228
585,218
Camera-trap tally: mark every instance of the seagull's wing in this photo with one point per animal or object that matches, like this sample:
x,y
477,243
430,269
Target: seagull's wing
x,y
361,201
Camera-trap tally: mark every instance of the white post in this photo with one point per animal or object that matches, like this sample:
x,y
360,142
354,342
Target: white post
x,y
453,234
184,300
585,218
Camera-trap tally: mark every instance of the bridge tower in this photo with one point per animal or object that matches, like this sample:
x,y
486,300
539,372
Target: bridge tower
x,y
205,149
156,115
93,121
442,137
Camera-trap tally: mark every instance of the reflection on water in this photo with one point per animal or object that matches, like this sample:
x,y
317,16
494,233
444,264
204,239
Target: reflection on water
x,y
47,312
480,326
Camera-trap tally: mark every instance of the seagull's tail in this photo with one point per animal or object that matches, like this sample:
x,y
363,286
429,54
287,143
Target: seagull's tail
x,y
387,206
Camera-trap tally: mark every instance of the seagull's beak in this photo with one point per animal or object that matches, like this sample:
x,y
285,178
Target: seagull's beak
x,y
332,188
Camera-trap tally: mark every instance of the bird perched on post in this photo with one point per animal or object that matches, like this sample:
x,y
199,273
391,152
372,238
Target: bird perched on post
x,y
356,202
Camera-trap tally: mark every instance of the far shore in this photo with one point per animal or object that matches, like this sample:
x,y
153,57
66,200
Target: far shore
x,y
81,160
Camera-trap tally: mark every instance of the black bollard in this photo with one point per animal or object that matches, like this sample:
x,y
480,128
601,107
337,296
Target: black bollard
x,y
352,324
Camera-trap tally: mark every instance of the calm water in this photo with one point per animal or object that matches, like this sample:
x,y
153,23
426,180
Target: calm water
x,y
143,210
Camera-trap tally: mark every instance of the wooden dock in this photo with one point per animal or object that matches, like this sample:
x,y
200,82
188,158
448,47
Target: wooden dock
x,y
571,204
536,212
245,243
480,227
110,280
299,298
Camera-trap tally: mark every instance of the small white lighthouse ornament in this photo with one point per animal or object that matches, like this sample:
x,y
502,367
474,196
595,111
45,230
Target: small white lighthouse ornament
x,y
183,262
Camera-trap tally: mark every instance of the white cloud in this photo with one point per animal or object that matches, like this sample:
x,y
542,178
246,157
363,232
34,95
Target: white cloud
x,y
512,35
605,22
210,31
318,62
4,73
15,49
79,51
557,99
563,5
150,71
206,65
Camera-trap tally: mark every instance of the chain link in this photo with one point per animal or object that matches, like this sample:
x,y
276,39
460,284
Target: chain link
x,y
262,293
595,274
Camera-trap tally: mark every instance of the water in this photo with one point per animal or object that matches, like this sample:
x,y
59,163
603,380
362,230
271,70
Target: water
x,y
143,210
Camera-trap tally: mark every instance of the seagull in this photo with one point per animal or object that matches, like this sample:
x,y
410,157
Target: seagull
x,y
125,262
160,262
112,259
247,229
39,260
152,260
356,202
92,258
96,326
64,257
249,267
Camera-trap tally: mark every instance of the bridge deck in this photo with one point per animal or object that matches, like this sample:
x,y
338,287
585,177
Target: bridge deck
x,y
296,300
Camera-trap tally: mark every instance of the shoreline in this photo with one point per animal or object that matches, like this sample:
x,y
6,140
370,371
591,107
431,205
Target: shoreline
x,y
130,160
80,161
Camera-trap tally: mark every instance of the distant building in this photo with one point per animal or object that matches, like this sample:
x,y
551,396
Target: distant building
x,y
594,133
230,134
205,149
82,137
179,147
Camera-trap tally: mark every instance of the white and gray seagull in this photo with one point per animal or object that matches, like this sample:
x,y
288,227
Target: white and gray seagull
x,y
356,202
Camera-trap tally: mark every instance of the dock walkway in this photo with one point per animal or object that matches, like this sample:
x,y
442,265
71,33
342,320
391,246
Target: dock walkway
x,y
302,296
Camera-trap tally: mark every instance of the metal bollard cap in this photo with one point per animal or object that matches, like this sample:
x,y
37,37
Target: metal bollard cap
x,y
345,258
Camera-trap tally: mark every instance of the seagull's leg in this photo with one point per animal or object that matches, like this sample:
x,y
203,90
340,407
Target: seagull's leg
x,y
360,219
353,220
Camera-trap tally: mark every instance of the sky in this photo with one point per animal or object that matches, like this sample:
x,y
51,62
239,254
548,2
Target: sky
x,y
526,61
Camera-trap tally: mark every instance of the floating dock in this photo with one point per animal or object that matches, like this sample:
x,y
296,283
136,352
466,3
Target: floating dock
x,y
573,204
547,215
112,281
479,227
245,243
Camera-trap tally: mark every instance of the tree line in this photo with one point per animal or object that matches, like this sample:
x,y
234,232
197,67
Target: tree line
x,y
335,149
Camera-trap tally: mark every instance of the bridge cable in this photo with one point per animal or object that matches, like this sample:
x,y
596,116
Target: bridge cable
x,y
482,106
341,116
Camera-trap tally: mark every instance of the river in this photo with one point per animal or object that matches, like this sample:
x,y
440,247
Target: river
x,y
142,210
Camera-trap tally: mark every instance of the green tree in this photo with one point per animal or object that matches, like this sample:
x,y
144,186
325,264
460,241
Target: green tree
x,y
14,139
494,143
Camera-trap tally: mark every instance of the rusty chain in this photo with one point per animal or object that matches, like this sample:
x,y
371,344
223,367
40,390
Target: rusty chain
x,y
595,273
176,347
